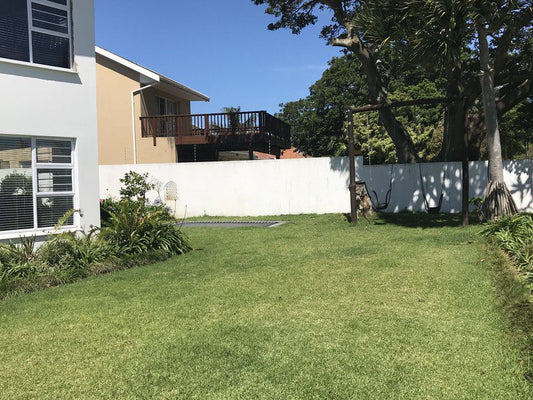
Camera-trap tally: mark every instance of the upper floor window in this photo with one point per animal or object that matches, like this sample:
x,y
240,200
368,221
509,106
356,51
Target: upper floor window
x,y
36,31
168,107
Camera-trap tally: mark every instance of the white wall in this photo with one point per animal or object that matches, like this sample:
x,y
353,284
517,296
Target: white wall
x,y
42,101
407,188
312,185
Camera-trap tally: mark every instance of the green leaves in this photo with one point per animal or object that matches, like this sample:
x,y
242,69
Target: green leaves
x,y
514,235
319,121
135,186
133,233
135,229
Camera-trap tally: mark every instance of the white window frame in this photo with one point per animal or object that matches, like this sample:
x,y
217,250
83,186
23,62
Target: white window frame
x,y
35,166
67,35
31,29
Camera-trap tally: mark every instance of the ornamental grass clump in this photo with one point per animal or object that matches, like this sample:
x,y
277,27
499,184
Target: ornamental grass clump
x,y
134,229
514,235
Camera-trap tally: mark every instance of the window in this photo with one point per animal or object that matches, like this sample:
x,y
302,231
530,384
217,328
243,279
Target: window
x,y
36,182
167,107
168,126
36,31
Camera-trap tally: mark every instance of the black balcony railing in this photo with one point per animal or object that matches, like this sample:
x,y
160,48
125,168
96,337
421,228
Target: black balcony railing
x,y
194,128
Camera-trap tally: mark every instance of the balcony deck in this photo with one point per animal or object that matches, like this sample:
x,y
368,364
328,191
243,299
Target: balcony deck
x,y
252,130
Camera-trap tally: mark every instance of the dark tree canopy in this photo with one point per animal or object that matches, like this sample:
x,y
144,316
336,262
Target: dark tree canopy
x,y
392,38
318,121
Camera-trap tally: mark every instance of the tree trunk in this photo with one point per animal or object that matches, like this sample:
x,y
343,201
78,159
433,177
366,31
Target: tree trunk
x,y
405,148
453,143
498,200
455,140
378,92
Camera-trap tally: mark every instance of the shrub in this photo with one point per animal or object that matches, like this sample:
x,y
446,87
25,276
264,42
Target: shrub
x,y
108,206
135,186
135,229
18,253
133,233
514,234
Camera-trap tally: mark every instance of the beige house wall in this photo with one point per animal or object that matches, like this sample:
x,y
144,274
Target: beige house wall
x,y
115,83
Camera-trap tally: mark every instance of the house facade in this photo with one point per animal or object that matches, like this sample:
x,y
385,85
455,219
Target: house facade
x,y
145,118
127,91
48,120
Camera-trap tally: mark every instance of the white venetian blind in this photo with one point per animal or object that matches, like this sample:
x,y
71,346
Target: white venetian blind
x,y
36,182
16,183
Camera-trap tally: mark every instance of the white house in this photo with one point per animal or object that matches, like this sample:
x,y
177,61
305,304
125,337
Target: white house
x,y
48,123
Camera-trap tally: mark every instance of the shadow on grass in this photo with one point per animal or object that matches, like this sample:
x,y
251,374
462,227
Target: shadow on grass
x,y
417,220
515,297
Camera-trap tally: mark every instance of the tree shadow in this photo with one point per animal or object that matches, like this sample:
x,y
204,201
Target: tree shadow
x,y
412,185
419,220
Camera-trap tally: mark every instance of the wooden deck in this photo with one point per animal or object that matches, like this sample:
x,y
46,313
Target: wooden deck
x,y
252,130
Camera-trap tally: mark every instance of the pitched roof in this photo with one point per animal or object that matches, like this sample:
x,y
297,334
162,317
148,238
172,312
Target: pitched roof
x,y
148,76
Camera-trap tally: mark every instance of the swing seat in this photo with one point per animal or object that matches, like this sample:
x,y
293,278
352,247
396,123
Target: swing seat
x,y
436,210
381,206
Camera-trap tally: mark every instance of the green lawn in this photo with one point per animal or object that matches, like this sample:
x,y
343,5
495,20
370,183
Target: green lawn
x,y
314,309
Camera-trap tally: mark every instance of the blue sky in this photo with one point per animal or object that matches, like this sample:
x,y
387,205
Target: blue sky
x,y
220,48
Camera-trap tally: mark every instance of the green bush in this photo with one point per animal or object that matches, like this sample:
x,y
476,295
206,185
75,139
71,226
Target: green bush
x,y
135,186
135,229
514,235
108,206
133,233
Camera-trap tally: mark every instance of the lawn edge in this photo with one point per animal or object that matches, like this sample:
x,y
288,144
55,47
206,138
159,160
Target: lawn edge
x,y
516,303
50,280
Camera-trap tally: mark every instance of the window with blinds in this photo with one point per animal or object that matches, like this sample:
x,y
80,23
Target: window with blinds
x,y
36,182
36,31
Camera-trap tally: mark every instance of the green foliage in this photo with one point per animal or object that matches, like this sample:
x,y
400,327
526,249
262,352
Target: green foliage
x,y
134,229
133,233
319,121
135,186
477,204
19,253
108,206
516,131
17,260
409,41
514,234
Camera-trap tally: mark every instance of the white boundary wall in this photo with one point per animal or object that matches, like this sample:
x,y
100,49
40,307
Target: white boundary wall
x,y
312,185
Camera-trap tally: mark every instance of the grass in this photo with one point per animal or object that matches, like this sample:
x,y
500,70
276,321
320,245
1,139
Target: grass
x,y
313,309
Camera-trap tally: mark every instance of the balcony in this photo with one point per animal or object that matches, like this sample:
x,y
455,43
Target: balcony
x,y
253,131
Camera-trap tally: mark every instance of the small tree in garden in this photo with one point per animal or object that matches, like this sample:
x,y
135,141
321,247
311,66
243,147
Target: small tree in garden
x,y
135,186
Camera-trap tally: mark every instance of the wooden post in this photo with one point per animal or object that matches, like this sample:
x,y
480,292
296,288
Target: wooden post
x,y
154,131
465,189
351,154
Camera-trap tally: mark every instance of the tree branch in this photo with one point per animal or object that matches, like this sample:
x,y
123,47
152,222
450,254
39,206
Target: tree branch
x,y
415,102
513,95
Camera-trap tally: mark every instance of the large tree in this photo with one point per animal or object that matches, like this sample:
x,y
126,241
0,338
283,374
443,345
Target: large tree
x,y
437,35
319,120
440,35
503,33
489,18
345,33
